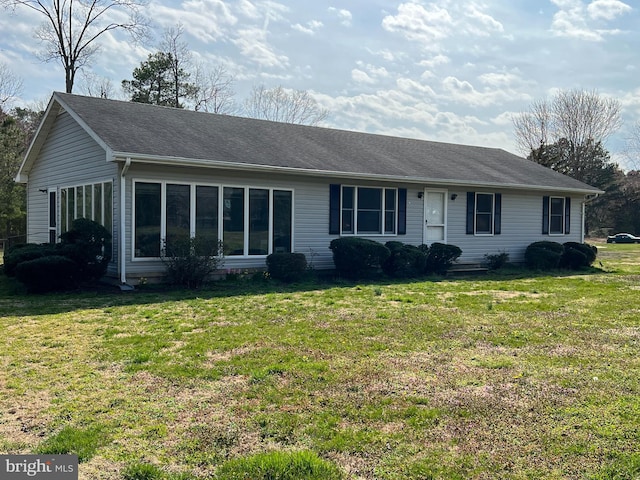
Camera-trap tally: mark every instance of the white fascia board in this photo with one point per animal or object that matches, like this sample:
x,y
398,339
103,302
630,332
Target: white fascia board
x,y
191,162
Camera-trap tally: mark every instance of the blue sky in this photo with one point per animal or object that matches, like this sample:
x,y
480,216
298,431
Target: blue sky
x,y
445,70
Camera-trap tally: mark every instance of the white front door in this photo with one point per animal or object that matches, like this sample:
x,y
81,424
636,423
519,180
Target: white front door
x,y
435,216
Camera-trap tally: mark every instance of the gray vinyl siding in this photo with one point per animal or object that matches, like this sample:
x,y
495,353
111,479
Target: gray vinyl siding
x,y
69,157
521,216
311,212
521,225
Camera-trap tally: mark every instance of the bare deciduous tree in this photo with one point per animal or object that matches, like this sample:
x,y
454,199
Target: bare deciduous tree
x,y
632,150
180,55
215,90
282,105
96,86
71,28
10,85
578,116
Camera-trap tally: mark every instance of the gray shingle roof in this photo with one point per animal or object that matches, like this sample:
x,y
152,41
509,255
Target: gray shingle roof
x,y
138,129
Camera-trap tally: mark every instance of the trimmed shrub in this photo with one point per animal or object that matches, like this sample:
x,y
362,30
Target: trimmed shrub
x,y
497,260
189,261
23,253
544,255
578,255
287,267
404,260
356,257
440,257
46,274
89,245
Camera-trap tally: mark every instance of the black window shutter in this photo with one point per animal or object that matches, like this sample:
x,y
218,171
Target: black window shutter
x,y
497,214
334,209
567,215
402,211
471,211
545,215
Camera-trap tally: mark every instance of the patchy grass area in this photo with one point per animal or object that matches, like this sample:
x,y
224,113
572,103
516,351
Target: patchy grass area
x,y
504,376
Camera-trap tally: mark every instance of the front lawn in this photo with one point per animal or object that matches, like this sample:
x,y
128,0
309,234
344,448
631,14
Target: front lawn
x,y
504,376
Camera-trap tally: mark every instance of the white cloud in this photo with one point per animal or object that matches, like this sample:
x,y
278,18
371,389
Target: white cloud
x,y
310,28
425,25
368,74
500,90
572,20
481,23
434,61
502,80
359,76
249,10
417,91
207,20
431,24
343,15
252,43
607,9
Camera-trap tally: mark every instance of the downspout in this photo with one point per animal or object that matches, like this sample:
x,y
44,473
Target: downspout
x,y
587,199
123,223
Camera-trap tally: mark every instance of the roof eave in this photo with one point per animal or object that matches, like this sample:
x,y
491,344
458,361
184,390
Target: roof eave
x,y
207,163
56,104
36,143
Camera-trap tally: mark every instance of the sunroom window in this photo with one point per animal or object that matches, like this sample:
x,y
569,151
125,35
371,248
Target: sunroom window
x,y
249,221
93,201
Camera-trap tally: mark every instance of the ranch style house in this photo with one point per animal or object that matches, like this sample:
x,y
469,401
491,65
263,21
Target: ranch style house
x,y
147,173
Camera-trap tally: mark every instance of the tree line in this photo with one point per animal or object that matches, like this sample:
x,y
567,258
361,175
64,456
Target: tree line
x,y
567,133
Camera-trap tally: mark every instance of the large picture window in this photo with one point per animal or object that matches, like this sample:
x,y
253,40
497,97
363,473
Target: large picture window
x,y
178,213
93,201
148,210
249,221
368,210
233,233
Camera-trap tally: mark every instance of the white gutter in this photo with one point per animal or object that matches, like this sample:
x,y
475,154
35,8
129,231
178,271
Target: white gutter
x,y
123,223
190,162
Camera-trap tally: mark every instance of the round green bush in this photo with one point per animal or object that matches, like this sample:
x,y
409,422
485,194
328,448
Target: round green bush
x,y
89,245
543,255
356,257
48,274
287,267
23,253
404,260
578,255
440,257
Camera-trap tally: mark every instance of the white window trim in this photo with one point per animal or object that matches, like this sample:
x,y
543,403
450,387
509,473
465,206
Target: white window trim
x,y
562,216
75,203
192,214
56,227
382,212
493,213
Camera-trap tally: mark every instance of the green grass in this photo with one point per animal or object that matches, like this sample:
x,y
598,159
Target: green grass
x,y
71,440
510,375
